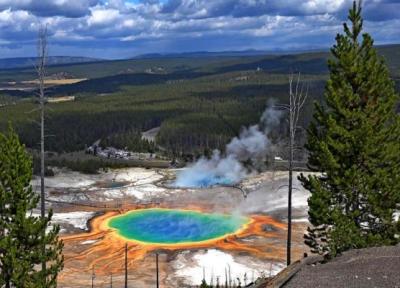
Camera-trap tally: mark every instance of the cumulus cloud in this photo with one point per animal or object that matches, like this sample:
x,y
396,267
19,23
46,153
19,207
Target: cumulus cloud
x,y
42,8
243,8
128,27
382,10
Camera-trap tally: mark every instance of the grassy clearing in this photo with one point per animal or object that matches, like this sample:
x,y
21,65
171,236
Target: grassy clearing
x,y
56,81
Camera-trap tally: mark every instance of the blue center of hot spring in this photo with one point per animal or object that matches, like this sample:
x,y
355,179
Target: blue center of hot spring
x,y
201,181
165,226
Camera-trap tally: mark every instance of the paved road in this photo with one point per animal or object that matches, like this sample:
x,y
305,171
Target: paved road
x,y
364,268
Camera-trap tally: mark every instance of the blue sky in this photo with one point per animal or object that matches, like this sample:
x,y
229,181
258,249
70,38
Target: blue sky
x,y
125,28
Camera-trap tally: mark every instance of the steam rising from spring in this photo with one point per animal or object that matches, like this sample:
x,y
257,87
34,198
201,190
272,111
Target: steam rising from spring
x,y
251,147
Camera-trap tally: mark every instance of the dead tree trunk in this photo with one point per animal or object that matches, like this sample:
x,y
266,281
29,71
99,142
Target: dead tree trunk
x,y
290,190
126,265
297,98
157,271
41,71
93,276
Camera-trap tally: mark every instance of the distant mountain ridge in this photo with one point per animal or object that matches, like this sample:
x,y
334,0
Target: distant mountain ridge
x,y
244,53
199,54
28,62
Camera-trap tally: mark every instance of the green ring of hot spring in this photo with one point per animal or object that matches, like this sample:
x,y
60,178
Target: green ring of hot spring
x,y
169,226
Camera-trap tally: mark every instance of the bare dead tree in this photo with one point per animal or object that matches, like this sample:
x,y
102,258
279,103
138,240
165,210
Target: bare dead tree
x,y
126,265
93,276
297,98
41,72
157,272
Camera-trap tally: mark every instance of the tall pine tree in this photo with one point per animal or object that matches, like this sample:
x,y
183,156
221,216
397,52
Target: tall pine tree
x,y
23,235
354,141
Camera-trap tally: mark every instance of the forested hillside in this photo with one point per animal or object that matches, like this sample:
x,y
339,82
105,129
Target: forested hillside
x,y
200,103
28,62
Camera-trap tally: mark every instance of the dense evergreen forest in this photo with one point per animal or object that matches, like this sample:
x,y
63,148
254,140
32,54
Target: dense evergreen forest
x,y
199,103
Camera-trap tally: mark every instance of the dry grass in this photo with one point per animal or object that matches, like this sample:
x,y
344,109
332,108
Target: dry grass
x,y
57,81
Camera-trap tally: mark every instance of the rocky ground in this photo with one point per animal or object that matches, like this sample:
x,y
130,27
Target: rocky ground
x,y
373,267
76,198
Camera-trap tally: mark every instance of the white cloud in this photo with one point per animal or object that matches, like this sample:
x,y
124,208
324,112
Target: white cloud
x,y
102,17
51,7
188,24
324,6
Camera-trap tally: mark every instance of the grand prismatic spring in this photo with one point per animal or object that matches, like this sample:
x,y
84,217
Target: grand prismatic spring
x,y
190,229
166,226
176,230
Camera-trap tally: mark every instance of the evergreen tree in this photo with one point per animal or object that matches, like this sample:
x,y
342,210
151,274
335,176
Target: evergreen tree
x,y
354,141
204,284
23,235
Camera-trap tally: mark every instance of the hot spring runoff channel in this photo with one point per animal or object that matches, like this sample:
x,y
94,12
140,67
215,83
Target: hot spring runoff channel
x,y
168,226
